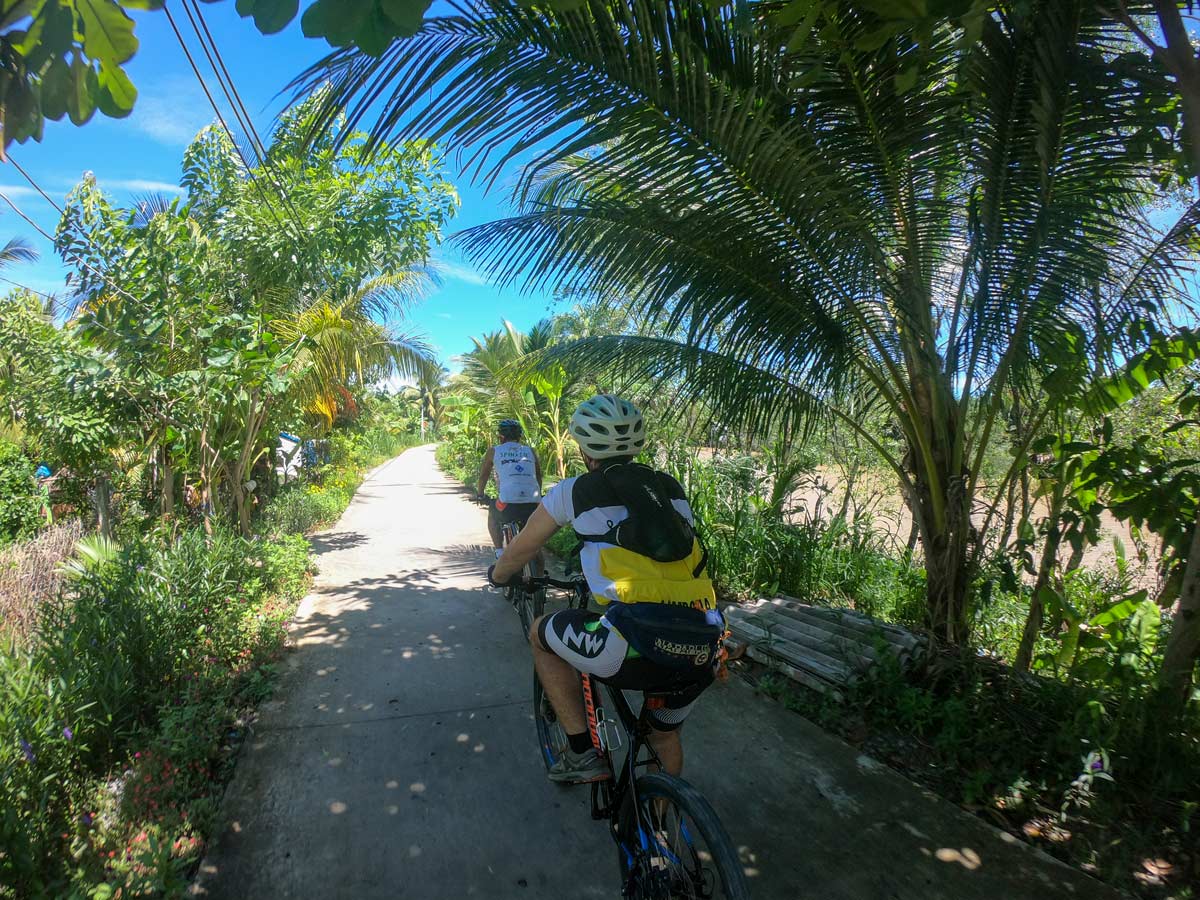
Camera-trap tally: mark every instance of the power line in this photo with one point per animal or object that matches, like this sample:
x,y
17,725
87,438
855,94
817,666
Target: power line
x,y
207,42
26,287
221,118
213,54
38,228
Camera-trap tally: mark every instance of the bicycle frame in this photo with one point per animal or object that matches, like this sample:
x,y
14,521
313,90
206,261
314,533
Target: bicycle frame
x,y
609,796
636,837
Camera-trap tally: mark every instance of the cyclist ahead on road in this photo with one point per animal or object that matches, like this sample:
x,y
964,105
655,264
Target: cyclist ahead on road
x,y
518,481
660,628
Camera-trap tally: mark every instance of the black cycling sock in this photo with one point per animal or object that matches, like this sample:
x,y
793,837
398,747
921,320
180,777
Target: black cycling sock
x,y
580,743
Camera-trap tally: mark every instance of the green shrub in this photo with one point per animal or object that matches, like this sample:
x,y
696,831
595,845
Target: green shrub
x,y
300,508
21,499
564,544
459,458
286,565
147,652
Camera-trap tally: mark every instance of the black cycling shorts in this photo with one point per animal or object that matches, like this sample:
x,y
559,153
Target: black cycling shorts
x,y
506,513
579,637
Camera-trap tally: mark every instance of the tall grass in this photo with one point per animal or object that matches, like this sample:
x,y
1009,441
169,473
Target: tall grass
x,y
754,549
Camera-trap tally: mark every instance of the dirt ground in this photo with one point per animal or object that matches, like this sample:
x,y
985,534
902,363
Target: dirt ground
x,y
875,496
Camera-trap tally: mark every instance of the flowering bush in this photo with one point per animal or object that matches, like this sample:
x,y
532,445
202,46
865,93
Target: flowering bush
x,y
141,671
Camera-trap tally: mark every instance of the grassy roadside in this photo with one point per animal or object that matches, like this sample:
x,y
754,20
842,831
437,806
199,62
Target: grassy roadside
x,y
120,718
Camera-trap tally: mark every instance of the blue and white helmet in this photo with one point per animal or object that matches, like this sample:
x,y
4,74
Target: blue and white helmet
x,y
607,426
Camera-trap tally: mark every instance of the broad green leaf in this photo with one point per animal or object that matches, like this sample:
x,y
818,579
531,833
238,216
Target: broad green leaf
x,y
1093,669
338,21
117,93
1056,602
906,79
1119,611
56,89
407,15
377,33
81,102
270,16
107,31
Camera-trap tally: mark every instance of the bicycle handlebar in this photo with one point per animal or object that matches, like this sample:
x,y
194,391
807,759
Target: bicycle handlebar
x,y
547,581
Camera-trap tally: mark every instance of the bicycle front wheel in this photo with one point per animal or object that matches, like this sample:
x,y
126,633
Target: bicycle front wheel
x,y
674,846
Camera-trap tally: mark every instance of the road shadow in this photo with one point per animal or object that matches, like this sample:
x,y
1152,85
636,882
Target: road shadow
x,y
331,541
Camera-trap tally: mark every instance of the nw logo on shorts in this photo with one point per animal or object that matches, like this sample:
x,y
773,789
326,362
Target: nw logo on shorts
x,y
584,641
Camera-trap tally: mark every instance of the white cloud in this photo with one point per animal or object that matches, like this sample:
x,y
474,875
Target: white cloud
x,y
18,191
171,111
455,270
459,272
143,185
444,315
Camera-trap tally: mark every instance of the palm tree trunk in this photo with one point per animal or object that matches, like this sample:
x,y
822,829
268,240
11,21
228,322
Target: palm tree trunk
x,y
943,500
103,500
1179,660
1033,621
947,555
1180,60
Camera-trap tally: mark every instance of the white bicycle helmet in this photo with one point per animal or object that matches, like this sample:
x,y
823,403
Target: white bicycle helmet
x,y
607,426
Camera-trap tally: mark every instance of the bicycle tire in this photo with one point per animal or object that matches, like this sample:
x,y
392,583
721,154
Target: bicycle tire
x,y
525,610
658,873
552,739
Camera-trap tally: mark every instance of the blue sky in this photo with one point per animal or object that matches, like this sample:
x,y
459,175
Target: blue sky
x,y
142,153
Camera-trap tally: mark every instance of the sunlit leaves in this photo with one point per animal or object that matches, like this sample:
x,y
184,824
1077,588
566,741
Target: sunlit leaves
x,y
270,16
65,59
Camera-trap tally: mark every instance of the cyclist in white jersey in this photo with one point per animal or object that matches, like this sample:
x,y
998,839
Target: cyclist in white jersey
x,y
518,481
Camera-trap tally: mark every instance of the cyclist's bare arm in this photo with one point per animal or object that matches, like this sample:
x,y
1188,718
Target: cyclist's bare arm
x,y
485,470
526,545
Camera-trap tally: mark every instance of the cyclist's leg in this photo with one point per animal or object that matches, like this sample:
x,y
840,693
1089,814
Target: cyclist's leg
x,y
565,644
666,720
494,528
561,683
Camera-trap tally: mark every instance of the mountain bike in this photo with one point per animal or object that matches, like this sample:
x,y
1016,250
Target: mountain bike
x,y
527,599
670,842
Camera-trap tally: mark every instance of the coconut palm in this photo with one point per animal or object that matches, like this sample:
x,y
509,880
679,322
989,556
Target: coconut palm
x,y
828,208
15,251
348,343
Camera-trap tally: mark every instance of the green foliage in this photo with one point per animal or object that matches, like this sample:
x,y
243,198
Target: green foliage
x,y
300,508
565,546
151,643
502,378
206,325
1098,759
867,182
754,549
65,60
459,458
22,502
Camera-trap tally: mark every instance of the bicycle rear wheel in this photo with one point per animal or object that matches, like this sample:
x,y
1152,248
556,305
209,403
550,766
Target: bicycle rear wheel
x,y
552,739
530,604
674,846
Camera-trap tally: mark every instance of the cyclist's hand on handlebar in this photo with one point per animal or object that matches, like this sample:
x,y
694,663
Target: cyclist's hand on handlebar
x,y
512,582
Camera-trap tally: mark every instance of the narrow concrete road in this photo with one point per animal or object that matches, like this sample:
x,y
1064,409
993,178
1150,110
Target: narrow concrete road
x,y
398,758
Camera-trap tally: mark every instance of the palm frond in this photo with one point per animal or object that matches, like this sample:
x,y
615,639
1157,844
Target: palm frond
x,y
17,250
